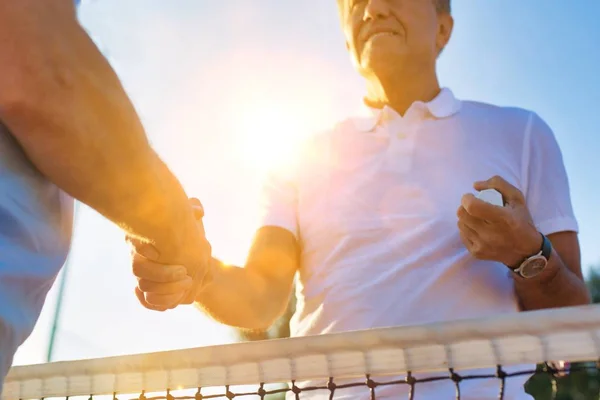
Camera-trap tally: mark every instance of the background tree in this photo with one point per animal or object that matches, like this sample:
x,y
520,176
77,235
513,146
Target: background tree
x,y
583,382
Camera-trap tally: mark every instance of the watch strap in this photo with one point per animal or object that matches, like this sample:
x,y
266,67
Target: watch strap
x,y
545,252
546,247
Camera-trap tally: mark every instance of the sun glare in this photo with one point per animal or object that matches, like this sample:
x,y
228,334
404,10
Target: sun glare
x,y
269,134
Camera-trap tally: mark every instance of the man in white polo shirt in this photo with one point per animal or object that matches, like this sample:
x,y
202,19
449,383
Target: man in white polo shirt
x,y
379,216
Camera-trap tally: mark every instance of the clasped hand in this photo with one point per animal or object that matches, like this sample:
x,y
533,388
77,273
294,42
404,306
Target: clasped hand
x,y
503,234
163,286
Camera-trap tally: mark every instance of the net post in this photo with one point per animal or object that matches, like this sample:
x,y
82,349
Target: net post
x,y
371,384
500,373
456,378
331,386
409,379
296,390
262,393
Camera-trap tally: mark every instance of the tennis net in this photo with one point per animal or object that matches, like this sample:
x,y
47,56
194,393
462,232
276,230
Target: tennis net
x,y
372,364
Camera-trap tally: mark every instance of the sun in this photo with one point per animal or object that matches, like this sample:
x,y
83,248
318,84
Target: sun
x,y
269,134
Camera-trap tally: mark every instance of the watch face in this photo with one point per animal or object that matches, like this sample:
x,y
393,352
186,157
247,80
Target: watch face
x,y
533,267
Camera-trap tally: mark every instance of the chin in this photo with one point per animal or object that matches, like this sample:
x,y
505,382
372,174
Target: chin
x,y
381,66
382,60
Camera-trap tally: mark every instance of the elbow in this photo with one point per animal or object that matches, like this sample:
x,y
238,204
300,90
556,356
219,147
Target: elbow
x,y
265,313
586,298
23,87
15,100
21,108
256,325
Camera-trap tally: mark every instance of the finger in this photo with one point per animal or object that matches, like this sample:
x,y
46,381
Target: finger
x,y
155,272
468,232
197,207
140,296
167,301
190,296
466,240
510,193
482,209
471,221
165,288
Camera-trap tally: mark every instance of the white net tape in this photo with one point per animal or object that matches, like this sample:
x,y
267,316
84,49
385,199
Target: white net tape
x,y
570,334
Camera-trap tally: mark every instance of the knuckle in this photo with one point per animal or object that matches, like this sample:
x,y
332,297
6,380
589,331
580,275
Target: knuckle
x,y
470,208
207,249
156,299
477,250
465,203
140,268
146,286
136,268
465,241
511,222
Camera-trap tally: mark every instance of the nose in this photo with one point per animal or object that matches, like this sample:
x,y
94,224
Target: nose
x,y
376,9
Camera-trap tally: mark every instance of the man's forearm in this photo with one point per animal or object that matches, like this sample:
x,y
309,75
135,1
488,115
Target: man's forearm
x,y
241,298
555,287
66,107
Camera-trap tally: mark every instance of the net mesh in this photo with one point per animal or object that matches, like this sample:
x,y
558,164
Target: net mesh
x,y
468,359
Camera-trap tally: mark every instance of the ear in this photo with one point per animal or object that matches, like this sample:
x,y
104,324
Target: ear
x,y
445,27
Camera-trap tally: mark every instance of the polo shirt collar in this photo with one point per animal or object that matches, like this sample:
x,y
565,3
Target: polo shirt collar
x,y
444,105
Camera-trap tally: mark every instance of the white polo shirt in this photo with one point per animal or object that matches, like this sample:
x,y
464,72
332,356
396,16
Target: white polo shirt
x,y
373,204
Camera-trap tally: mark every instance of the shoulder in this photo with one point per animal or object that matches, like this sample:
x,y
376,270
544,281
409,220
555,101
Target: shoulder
x,y
487,111
509,119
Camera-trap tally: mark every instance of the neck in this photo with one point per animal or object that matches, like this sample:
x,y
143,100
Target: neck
x,y
400,92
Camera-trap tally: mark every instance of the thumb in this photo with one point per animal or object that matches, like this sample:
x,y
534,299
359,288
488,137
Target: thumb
x,y
143,248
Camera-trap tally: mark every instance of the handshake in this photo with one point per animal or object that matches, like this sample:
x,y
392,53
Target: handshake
x,y
163,286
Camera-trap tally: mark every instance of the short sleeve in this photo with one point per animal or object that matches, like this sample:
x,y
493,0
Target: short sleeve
x,y
547,186
279,200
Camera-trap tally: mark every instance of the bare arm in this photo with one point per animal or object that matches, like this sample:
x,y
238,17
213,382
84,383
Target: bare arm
x,y
561,284
253,297
67,109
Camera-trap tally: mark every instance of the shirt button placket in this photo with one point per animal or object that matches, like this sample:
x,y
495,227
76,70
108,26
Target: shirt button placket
x,y
400,150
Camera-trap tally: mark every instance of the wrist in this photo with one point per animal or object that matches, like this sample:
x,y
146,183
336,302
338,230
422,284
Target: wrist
x,y
549,274
161,204
530,245
204,284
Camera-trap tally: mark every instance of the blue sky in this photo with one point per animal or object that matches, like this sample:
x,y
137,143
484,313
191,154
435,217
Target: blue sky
x,y
213,81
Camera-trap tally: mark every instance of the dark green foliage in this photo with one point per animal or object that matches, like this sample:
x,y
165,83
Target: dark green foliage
x,y
581,384
584,382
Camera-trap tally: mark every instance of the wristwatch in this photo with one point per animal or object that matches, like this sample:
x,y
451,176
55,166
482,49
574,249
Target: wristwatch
x,y
535,264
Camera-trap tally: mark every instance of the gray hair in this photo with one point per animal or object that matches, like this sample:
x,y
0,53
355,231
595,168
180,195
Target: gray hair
x,y
442,6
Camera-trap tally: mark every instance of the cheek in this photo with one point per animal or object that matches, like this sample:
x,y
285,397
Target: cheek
x,y
352,43
421,28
